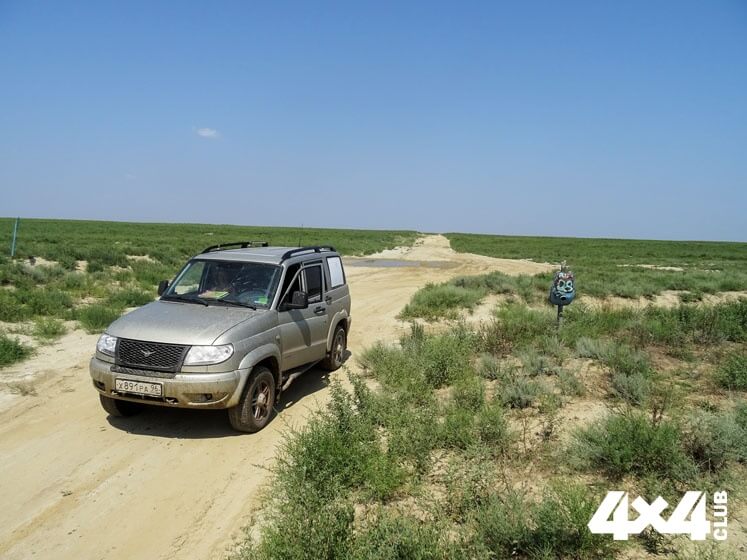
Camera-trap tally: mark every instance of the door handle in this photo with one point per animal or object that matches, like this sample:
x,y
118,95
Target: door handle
x,y
319,310
328,300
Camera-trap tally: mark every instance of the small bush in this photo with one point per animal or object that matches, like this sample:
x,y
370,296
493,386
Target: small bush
x,y
714,439
457,430
492,428
592,348
520,392
489,367
535,363
630,443
632,388
389,536
732,373
49,328
570,385
95,318
515,325
556,527
12,351
436,301
339,449
131,297
469,393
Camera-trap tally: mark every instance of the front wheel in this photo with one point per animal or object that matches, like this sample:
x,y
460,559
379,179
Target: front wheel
x,y
255,407
336,355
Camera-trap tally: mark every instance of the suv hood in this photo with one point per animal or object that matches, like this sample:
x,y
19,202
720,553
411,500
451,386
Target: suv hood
x,y
179,323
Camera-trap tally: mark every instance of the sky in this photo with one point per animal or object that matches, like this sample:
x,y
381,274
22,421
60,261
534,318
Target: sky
x,y
573,118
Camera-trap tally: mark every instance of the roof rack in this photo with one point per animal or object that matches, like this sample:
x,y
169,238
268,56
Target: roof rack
x,y
314,249
240,244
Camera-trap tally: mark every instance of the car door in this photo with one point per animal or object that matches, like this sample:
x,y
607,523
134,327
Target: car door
x,y
303,331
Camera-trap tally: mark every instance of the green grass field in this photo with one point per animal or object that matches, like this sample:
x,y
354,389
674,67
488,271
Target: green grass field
x,y
612,266
101,268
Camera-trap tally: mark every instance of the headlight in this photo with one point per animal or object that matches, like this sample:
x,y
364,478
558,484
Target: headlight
x,y
107,344
204,355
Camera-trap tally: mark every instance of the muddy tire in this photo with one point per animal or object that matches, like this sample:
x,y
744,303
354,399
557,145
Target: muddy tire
x,y
119,408
336,355
255,407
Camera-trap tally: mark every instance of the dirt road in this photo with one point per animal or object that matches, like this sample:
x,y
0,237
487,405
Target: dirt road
x,y
170,483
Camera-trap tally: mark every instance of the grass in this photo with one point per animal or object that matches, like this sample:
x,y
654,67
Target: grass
x,y
95,318
605,267
436,301
125,261
631,444
732,372
12,350
427,465
48,328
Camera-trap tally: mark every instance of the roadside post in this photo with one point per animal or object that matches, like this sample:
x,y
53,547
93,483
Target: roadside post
x,y
15,235
562,290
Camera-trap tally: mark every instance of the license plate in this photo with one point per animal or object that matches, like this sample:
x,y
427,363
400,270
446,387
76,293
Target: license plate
x,y
139,387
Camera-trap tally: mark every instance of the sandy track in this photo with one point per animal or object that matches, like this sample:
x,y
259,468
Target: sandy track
x,y
169,483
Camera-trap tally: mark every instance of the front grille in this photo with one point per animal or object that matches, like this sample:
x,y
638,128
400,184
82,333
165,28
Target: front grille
x,y
154,356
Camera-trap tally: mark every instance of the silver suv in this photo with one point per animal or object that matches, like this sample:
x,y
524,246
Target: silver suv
x,y
232,330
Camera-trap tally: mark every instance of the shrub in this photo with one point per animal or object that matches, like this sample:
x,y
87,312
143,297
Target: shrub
x,y
469,393
421,362
492,428
47,302
535,363
489,367
457,429
555,527
49,328
515,325
95,318
435,301
714,439
732,372
630,443
520,392
570,385
12,350
339,449
389,536
592,348
446,357
131,297
633,388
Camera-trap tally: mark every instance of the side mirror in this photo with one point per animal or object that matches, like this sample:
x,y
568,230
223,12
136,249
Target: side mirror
x,y
299,300
163,285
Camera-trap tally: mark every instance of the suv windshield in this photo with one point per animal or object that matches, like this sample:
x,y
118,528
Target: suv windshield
x,y
226,282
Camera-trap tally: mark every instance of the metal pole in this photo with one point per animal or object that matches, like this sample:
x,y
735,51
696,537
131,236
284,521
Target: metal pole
x,y
560,315
15,235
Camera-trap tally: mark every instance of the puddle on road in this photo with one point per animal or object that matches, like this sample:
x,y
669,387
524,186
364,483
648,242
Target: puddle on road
x,y
395,263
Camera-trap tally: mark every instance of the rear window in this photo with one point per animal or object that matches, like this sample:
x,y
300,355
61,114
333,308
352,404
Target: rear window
x,y
336,274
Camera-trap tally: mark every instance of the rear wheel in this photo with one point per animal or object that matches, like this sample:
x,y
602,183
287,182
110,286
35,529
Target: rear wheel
x,y
255,407
116,407
336,354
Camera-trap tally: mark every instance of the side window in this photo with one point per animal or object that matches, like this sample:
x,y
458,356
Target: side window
x,y
314,283
288,289
336,274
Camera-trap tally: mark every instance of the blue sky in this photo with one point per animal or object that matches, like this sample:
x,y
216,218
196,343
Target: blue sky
x,y
601,119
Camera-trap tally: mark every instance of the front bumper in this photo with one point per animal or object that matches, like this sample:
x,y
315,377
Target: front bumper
x,y
183,390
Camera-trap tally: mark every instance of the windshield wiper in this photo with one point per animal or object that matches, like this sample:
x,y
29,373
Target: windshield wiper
x,y
238,303
193,299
